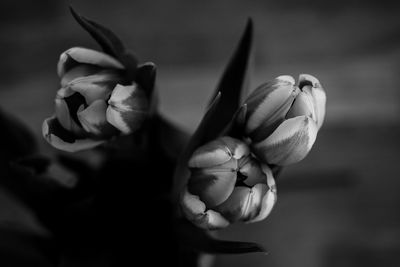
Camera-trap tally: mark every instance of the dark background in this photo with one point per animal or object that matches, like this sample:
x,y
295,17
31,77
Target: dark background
x,y
338,207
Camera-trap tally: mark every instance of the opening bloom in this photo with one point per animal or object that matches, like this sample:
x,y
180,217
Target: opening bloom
x,y
227,185
283,118
95,101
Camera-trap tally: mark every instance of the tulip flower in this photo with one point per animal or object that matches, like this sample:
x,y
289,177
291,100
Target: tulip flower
x,y
95,102
227,185
283,118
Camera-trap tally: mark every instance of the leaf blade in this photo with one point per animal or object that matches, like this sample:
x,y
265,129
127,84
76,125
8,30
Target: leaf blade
x,y
233,83
108,41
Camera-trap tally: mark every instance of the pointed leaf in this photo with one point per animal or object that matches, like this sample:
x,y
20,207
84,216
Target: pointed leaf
x,y
237,125
108,41
198,139
146,77
232,83
200,240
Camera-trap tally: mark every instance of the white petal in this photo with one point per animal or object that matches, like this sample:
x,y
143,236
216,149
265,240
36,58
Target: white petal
x,y
64,117
319,104
244,203
127,108
252,170
286,78
195,211
211,154
93,119
214,221
268,173
95,87
191,205
269,103
218,152
86,56
77,72
308,78
303,105
213,187
319,97
289,143
237,148
59,138
267,204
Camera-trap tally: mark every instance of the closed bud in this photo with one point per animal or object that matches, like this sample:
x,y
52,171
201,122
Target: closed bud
x,y
283,119
93,106
227,185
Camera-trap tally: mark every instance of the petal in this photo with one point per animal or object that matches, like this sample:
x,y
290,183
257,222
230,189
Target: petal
x,y
320,105
213,186
78,71
61,139
76,55
218,152
127,108
303,105
97,86
192,206
269,174
237,148
214,221
64,117
268,105
267,203
195,211
211,154
307,79
251,169
93,119
244,203
319,96
289,143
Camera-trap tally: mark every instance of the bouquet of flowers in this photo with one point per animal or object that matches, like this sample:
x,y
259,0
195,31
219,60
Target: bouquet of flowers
x,y
156,192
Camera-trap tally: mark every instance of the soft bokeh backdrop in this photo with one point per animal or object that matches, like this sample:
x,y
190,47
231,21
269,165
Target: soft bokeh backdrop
x,y
340,206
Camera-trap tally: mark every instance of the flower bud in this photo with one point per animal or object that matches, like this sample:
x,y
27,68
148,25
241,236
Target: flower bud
x,y
283,119
92,106
227,185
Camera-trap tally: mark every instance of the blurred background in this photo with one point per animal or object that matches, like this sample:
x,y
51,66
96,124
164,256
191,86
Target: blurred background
x,y
338,207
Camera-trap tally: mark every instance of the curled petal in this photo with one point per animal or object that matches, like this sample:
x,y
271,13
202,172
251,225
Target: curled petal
x,y
61,139
237,148
127,108
95,87
213,186
289,143
251,170
79,55
211,154
303,105
77,72
218,152
214,220
244,203
195,211
318,93
64,117
93,119
268,201
268,106
307,79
